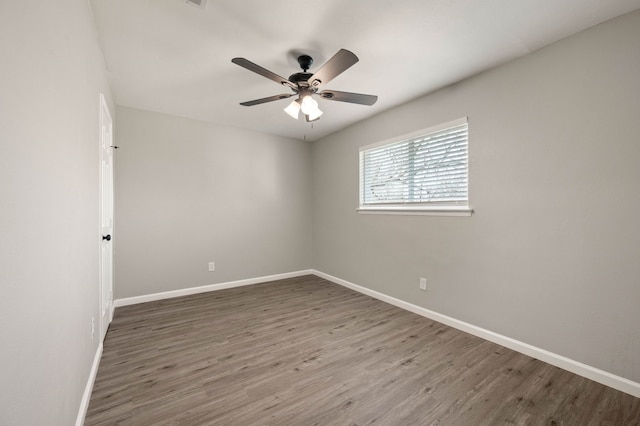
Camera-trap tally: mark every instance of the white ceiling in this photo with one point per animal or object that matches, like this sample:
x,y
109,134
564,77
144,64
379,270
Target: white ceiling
x,y
172,57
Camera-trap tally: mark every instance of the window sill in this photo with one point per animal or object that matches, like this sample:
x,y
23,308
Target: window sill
x,y
419,210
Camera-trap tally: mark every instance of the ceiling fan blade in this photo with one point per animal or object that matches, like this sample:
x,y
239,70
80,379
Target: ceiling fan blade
x,y
354,98
268,99
333,67
263,72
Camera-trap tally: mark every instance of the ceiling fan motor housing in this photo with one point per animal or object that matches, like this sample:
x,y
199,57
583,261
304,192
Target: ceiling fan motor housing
x,y
300,77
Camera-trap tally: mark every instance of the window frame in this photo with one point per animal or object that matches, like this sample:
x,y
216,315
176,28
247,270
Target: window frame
x,y
440,208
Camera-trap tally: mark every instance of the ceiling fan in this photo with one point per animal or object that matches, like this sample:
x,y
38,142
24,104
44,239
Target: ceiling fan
x,y
305,85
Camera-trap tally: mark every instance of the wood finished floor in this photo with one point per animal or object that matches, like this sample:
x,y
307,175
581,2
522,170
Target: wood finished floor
x,y
304,351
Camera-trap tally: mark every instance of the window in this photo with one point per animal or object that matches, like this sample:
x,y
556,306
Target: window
x,y
424,173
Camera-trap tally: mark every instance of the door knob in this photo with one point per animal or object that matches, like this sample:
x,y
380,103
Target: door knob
x,y
106,237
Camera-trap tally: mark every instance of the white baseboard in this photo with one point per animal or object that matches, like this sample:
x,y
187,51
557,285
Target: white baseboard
x,y
206,288
86,396
595,374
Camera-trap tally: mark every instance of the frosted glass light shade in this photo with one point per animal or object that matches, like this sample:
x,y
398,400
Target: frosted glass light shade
x,y
315,114
293,109
309,105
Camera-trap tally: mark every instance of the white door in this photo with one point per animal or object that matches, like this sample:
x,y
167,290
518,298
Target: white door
x,y
106,217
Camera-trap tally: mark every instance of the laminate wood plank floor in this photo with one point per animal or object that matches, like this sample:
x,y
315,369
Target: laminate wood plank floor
x,y
304,351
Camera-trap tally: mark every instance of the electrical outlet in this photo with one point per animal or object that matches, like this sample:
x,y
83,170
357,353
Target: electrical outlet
x,y
212,266
93,328
423,284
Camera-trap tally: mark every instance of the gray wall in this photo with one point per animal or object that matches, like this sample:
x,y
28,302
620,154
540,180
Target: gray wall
x,y
50,79
189,192
550,256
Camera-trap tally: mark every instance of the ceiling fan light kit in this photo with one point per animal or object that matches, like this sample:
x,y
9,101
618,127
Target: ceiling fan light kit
x,y
305,85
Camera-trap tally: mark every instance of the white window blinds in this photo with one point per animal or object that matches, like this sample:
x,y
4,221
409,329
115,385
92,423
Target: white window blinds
x,y
430,169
